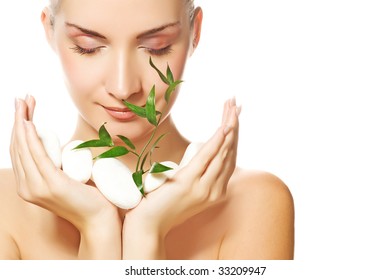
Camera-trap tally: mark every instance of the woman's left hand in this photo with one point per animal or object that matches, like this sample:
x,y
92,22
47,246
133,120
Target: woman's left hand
x,y
194,188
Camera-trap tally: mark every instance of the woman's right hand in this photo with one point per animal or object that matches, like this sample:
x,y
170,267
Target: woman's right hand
x,y
41,183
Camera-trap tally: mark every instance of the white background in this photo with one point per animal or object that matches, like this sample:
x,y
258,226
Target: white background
x,y
313,81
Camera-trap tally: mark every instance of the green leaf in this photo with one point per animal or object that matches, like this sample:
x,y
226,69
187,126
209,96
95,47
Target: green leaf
x,y
171,89
91,144
158,168
105,136
114,152
139,111
137,178
104,141
170,77
127,141
151,107
162,77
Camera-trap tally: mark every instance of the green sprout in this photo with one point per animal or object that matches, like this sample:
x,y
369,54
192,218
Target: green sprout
x,y
153,116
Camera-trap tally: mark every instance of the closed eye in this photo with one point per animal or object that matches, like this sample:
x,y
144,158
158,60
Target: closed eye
x,y
85,51
160,52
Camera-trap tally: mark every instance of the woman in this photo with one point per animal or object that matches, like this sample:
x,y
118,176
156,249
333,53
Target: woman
x,y
209,210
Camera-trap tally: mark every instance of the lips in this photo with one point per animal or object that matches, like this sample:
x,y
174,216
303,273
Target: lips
x,y
121,114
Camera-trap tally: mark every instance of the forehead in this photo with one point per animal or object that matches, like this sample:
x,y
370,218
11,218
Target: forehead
x,y
109,16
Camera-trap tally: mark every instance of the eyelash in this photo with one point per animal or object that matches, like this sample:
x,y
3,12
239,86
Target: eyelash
x,y
160,52
86,51
82,51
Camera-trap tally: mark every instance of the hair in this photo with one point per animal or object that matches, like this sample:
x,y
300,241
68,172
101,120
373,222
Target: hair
x,y
55,6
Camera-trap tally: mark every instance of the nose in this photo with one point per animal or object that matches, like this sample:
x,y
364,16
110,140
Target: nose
x,y
122,79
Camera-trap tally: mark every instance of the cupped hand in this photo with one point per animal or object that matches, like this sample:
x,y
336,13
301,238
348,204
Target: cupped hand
x,y
197,186
41,183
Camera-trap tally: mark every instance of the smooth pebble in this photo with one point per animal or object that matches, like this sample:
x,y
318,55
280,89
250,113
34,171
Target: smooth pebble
x,y
52,145
114,180
191,151
77,164
155,180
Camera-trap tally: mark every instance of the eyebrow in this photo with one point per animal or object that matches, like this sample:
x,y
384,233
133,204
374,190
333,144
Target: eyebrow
x,y
86,31
157,29
143,34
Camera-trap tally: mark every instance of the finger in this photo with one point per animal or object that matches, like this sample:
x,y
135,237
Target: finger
x,y
16,165
200,161
21,159
21,148
12,149
228,168
217,176
219,163
207,182
30,101
234,123
231,157
230,123
20,177
226,107
42,161
233,113
224,163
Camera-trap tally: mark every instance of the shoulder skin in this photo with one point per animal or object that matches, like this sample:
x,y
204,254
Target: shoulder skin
x,y
262,218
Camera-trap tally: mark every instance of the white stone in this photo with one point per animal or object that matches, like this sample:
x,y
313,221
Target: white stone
x,y
155,180
114,180
77,164
52,145
191,151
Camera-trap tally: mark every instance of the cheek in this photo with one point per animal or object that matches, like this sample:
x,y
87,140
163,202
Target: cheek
x,y
81,77
177,64
82,80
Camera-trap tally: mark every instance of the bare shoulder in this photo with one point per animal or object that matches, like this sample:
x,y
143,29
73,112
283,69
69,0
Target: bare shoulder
x,y
9,202
260,186
261,217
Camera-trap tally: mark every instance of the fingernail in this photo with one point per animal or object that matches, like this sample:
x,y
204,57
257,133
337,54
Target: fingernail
x,y
233,101
238,110
27,98
17,103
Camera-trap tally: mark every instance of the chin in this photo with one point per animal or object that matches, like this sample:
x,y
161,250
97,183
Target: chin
x,y
135,130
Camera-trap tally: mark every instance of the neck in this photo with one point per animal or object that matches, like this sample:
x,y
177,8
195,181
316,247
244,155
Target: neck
x,y
171,147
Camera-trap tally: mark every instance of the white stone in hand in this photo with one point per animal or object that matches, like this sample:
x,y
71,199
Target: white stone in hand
x,y
155,180
114,180
52,145
191,151
77,164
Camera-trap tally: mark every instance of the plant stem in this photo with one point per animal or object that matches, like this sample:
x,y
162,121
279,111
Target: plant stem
x,y
149,141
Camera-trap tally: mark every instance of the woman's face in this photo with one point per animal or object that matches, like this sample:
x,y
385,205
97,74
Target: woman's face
x,y
104,47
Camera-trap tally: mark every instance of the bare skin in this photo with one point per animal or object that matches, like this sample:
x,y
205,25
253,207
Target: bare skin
x,y
254,222
210,210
